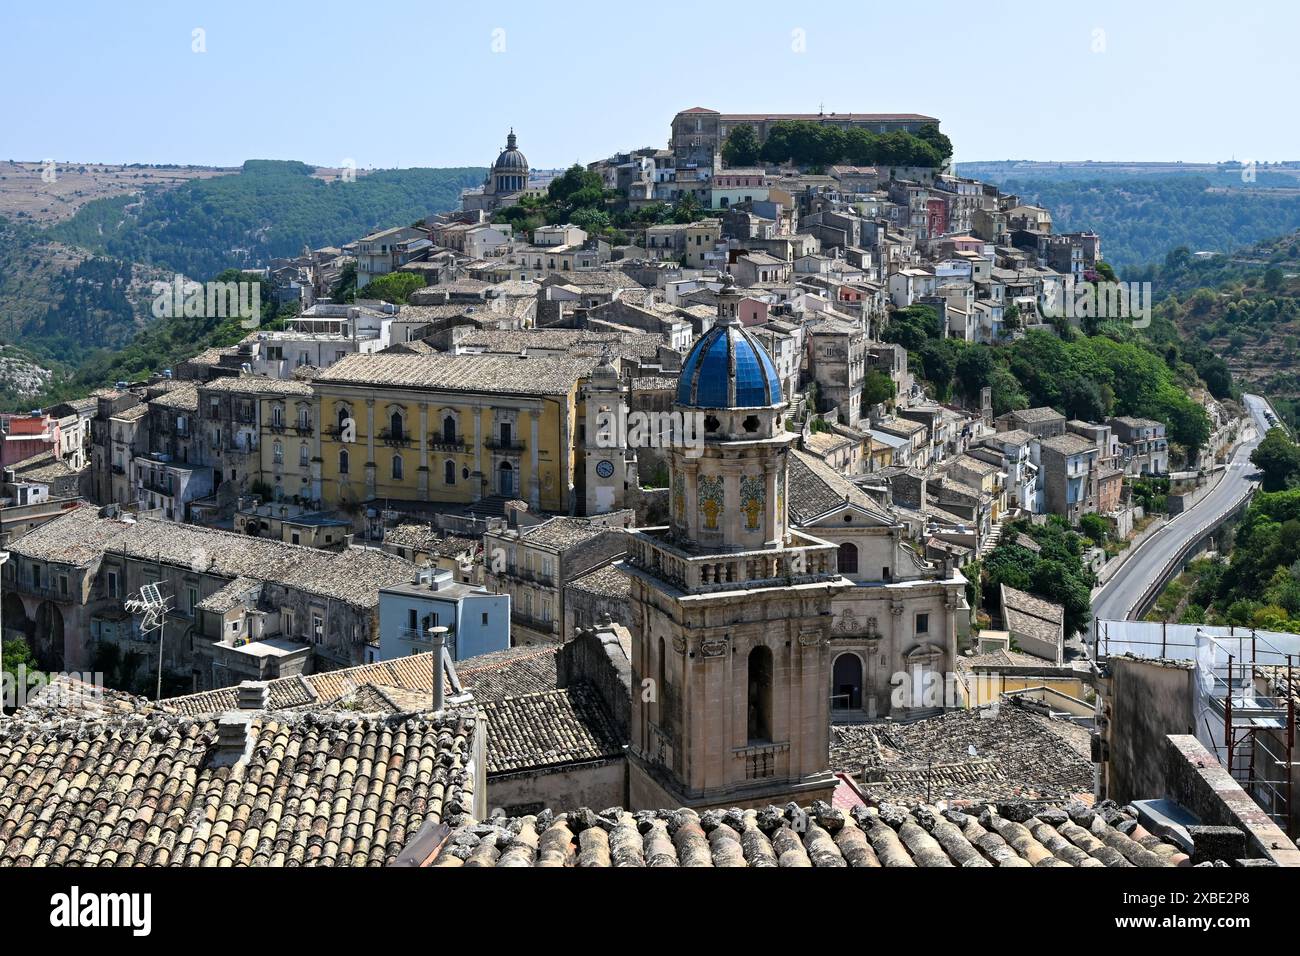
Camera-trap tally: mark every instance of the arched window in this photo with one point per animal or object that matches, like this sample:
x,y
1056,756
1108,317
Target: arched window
x,y
345,415
505,479
397,467
759,698
395,424
277,452
302,455
449,429
846,683
848,558
343,461
449,473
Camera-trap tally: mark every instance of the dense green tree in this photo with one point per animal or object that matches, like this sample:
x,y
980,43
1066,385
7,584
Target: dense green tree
x,y
913,326
1054,573
1278,459
393,287
877,387
741,146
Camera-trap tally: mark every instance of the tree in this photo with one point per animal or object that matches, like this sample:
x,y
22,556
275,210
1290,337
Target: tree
x,y
877,388
741,146
1278,459
974,371
687,209
912,326
929,133
18,658
573,180
938,363
393,287
1095,527
346,285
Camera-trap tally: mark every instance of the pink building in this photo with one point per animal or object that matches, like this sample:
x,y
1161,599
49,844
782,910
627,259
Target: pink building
x,y
28,435
752,311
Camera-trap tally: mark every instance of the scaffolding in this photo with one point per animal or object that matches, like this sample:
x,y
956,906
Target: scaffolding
x,y
1246,697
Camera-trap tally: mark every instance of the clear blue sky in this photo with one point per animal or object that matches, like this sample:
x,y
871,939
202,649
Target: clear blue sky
x,y
118,82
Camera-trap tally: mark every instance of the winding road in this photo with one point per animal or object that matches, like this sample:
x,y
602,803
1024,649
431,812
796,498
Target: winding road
x,y
1117,598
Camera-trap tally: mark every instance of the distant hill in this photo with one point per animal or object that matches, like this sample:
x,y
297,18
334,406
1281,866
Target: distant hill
x,y
1244,307
270,209
1142,216
75,294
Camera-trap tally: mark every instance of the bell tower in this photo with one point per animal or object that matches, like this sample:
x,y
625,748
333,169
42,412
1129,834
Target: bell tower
x,y
610,469
731,608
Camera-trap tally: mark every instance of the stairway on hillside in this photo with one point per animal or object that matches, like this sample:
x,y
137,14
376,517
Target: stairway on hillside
x,y
991,539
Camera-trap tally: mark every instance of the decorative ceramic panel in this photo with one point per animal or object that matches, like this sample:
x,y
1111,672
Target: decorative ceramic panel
x,y
711,503
753,495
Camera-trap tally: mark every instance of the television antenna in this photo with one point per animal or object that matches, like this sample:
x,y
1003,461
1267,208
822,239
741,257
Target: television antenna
x,y
152,606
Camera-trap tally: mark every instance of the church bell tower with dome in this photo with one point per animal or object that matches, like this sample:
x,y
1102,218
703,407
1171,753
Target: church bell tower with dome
x,y
507,178
731,609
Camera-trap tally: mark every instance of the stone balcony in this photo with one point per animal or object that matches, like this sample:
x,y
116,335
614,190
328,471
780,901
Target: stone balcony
x,y
803,560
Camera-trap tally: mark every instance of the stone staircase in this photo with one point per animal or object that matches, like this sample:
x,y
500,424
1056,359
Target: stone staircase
x,y
991,539
493,506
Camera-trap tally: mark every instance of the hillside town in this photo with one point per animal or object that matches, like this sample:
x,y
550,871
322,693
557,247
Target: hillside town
x,y
647,545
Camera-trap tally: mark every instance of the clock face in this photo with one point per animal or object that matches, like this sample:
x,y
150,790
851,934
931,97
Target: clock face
x,y
605,468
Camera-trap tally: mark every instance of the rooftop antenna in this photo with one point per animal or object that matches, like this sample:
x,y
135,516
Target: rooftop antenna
x,y
151,605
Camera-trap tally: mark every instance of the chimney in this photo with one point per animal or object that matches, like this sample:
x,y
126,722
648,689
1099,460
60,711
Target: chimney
x,y
234,728
253,694
437,637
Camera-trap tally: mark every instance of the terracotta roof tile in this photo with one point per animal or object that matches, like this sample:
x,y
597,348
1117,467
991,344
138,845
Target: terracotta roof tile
x,y
312,790
822,836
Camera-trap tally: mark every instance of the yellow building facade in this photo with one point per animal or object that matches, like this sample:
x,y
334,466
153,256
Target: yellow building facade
x,y
448,429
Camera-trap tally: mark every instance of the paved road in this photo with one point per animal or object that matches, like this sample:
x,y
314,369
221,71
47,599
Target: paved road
x,y
1115,600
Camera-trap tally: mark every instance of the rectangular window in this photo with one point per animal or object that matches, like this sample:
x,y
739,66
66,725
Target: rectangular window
x,y
923,624
317,629
192,599
286,616
412,618
485,618
112,584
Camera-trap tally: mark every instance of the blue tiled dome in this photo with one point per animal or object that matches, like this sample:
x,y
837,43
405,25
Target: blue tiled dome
x,y
728,368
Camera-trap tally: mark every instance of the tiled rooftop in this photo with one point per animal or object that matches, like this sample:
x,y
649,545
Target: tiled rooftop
x,y
313,790
519,670
562,532
1018,755
888,835
80,536
814,488
565,726
493,373
257,385
607,581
